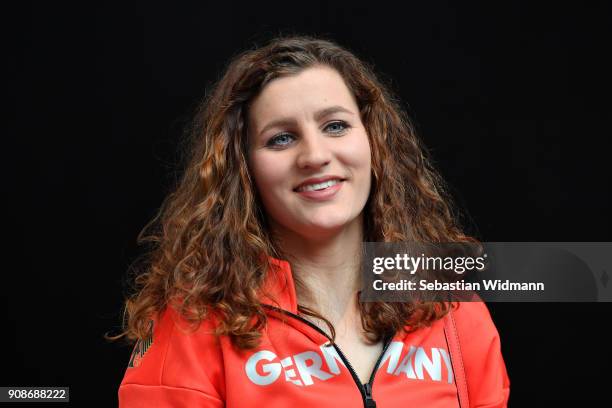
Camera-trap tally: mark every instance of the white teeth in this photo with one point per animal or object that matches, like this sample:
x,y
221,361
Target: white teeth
x,y
319,186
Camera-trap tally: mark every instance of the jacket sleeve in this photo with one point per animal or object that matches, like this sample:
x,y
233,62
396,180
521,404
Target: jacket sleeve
x,y
173,368
486,376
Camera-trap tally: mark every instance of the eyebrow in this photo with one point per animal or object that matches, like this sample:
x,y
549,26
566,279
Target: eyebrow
x,y
318,116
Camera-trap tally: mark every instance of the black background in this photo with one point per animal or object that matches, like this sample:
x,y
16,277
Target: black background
x,y
510,97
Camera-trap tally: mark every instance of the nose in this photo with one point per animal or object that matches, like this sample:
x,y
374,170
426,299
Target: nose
x,y
313,150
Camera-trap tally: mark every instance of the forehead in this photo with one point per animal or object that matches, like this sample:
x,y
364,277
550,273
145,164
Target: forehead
x,y
298,95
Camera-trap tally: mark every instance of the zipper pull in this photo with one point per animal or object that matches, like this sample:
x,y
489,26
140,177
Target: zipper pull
x,y
369,401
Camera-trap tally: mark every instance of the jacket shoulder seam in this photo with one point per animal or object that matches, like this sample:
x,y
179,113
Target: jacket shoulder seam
x,y
174,388
163,366
460,356
165,356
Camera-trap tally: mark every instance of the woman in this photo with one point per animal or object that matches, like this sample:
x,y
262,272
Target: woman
x,y
250,296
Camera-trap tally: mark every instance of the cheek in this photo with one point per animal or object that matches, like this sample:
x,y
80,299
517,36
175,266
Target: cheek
x,y
268,174
358,154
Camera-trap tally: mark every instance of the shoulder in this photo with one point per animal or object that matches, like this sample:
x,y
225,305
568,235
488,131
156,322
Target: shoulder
x,y
173,359
475,329
480,344
474,317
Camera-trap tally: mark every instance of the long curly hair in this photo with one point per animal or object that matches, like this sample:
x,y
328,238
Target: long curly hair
x,y
210,240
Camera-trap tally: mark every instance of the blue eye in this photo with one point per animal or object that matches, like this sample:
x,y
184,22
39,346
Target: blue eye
x,y
340,127
282,139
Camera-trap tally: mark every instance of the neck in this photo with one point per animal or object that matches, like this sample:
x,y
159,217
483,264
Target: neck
x,y
328,269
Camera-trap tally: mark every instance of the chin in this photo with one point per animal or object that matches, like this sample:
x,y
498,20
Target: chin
x,y
328,226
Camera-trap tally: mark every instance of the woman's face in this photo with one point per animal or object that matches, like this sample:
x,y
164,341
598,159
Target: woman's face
x,y
309,153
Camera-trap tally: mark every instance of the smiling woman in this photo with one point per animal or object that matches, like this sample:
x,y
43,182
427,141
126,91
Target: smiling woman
x,y
317,182
298,156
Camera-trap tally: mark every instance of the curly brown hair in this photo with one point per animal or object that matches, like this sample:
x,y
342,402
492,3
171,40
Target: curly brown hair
x,y
210,238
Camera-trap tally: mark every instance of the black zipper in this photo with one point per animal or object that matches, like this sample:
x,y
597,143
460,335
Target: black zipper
x,y
364,389
369,400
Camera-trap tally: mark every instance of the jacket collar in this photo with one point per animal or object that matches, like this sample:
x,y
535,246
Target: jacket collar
x,y
279,286
279,290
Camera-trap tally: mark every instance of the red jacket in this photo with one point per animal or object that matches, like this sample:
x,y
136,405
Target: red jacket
x,y
294,367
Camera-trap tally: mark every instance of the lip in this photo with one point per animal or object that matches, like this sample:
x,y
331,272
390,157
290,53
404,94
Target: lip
x,y
315,180
322,195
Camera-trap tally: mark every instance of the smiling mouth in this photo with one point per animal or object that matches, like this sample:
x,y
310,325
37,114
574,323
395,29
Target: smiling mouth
x,y
318,186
